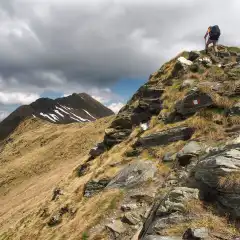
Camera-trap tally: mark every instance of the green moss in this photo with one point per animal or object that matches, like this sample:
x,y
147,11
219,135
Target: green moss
x,y
177,85
185,54
216,73
85,236
201,70
194,68
218,111
234,49
132,153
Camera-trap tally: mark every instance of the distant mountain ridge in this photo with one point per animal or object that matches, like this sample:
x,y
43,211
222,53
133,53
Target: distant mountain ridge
x,y
74,108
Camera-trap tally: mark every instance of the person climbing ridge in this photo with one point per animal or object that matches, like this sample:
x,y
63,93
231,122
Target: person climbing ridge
x,y
214,34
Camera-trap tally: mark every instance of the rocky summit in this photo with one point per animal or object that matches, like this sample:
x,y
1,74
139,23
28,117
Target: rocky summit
x,y
166,167
74,108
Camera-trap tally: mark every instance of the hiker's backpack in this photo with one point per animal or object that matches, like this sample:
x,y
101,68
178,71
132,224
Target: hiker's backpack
x,y
214,32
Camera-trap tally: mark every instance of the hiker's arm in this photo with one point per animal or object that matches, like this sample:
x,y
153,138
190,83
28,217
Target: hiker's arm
x,y
206,35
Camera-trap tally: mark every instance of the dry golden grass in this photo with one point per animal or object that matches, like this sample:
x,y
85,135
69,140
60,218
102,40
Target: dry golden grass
x,y
196,76
203,217
164,169
206,129
39,146
40,157
220,101
229,181
171,96
234,120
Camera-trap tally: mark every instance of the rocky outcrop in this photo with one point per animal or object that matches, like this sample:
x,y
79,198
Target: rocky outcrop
x,y
235,110
171,210
93,187
193,102
193,55
133,174
188,152
143,105
97,150
165,137
196,233
219,174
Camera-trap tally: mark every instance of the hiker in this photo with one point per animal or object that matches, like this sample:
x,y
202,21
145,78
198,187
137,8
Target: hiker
x,y
214,34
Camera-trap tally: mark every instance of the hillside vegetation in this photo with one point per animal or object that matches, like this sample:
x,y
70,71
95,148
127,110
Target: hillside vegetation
x,y
166,167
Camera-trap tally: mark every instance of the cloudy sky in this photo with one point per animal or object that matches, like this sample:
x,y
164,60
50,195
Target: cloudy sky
x,y
107,48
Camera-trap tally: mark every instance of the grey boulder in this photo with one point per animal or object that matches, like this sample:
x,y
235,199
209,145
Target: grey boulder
x,y
166,137
134,173
189,151
217,166
176,200
193,102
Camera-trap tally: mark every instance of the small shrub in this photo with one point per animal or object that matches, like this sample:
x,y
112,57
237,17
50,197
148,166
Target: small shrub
x,y
229,181
194,68
85,236
153,121
132,152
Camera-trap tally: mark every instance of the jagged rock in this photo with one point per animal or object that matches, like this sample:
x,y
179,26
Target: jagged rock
x,y
181,65
97,150
56,193
189,151
132,218
193,55
93,187
234,73
157,237
129,207
115,136
145,196
172,219
194,68
176,200
166,137
216,166
134,173
81,171
168,157
224,54
187,83
117,227
206,61
184,62
235,110
122,121
193,102
55,220
196,234
238,58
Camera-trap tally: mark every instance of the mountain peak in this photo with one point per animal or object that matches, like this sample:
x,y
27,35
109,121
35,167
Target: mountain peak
x,y
73,108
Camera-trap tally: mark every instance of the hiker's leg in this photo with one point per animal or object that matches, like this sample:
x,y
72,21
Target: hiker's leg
x,y
207,43
215,46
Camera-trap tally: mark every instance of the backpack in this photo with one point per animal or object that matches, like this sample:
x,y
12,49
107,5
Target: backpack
x,y
215,33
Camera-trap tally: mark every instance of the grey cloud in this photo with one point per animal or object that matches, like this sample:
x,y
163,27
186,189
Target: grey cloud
x,y
59,44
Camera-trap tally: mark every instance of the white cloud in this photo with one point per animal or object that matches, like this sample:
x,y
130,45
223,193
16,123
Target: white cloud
x,y
115,107
17,97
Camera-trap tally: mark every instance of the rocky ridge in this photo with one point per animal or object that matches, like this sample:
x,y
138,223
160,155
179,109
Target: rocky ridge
x,y
168,166
74,108
188,92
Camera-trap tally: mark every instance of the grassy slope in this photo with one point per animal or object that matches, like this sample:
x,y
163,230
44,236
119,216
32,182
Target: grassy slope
x,y
40,156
